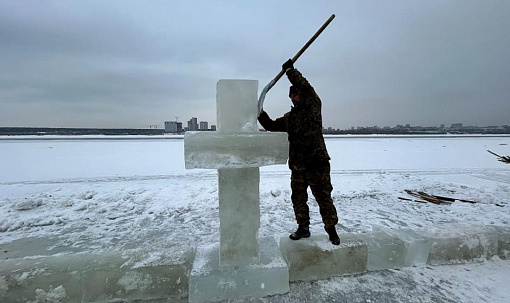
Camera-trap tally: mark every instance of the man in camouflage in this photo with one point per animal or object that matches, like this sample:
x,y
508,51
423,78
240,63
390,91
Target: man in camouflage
x,y
308,156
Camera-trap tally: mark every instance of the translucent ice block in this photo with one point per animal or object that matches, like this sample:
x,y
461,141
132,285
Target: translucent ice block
x,y
316,258
21,280
239,208
106,277
215,150
236,105
385,251
417,246
503,241
209,282
139,275
458,243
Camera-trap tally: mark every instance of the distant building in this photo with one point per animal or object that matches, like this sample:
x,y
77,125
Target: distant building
x,y
204,125
173,127
193,124
456,125
213,127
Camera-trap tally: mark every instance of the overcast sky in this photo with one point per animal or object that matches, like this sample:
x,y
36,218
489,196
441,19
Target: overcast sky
x,y
130,64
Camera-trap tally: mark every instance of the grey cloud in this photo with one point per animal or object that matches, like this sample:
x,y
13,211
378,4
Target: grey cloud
x,y
378,63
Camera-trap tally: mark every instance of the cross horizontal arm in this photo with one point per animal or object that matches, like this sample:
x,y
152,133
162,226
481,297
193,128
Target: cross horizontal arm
x,y
213,150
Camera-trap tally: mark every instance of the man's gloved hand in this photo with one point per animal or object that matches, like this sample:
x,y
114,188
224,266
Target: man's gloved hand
x,y
287,65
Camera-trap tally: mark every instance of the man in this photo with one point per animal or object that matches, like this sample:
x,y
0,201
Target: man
x,y
308,156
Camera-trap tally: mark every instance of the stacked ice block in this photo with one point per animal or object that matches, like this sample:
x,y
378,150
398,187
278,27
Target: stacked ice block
x,y
503,241
107,277
457,243
385,251
237,267
239,202
211,282
417,247
216,150
316,258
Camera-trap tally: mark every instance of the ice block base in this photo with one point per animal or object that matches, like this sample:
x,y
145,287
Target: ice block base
x,y
316,258
210,282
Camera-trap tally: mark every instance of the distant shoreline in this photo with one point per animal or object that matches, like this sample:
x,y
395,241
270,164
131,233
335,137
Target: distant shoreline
x,y
49,131
43,131
181,137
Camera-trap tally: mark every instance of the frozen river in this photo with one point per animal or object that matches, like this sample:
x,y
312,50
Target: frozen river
x,y
29,159
105,194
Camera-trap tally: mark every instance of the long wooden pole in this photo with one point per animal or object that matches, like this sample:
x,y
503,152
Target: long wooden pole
x,y
303,49
294,59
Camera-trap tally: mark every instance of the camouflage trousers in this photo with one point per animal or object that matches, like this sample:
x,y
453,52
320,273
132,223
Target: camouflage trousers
x,y
319,180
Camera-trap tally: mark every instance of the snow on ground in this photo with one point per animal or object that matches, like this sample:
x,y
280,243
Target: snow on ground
x,y
112,193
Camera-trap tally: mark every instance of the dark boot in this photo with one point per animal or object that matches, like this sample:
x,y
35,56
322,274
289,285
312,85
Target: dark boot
x,y
333,236
301,232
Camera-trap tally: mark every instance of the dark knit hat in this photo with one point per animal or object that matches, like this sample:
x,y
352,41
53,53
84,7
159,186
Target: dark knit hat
x,y
293,90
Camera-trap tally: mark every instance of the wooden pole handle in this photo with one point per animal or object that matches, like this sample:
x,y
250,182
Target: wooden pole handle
x,y
294,59
303,49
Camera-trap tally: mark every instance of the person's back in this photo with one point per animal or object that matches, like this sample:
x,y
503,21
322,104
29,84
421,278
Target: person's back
x,y
304,125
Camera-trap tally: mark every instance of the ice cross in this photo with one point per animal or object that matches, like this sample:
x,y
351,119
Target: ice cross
x,y
237,150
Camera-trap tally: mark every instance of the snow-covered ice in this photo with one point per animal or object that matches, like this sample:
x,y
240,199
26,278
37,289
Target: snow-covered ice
x,y
95,194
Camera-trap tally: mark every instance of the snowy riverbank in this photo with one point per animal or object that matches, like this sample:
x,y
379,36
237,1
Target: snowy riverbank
x,y
105,195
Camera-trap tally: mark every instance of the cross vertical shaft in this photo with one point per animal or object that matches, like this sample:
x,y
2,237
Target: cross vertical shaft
x,y
238,188
237,150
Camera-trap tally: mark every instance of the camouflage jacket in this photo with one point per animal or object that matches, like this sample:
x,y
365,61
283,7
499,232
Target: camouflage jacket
x,y
303,124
